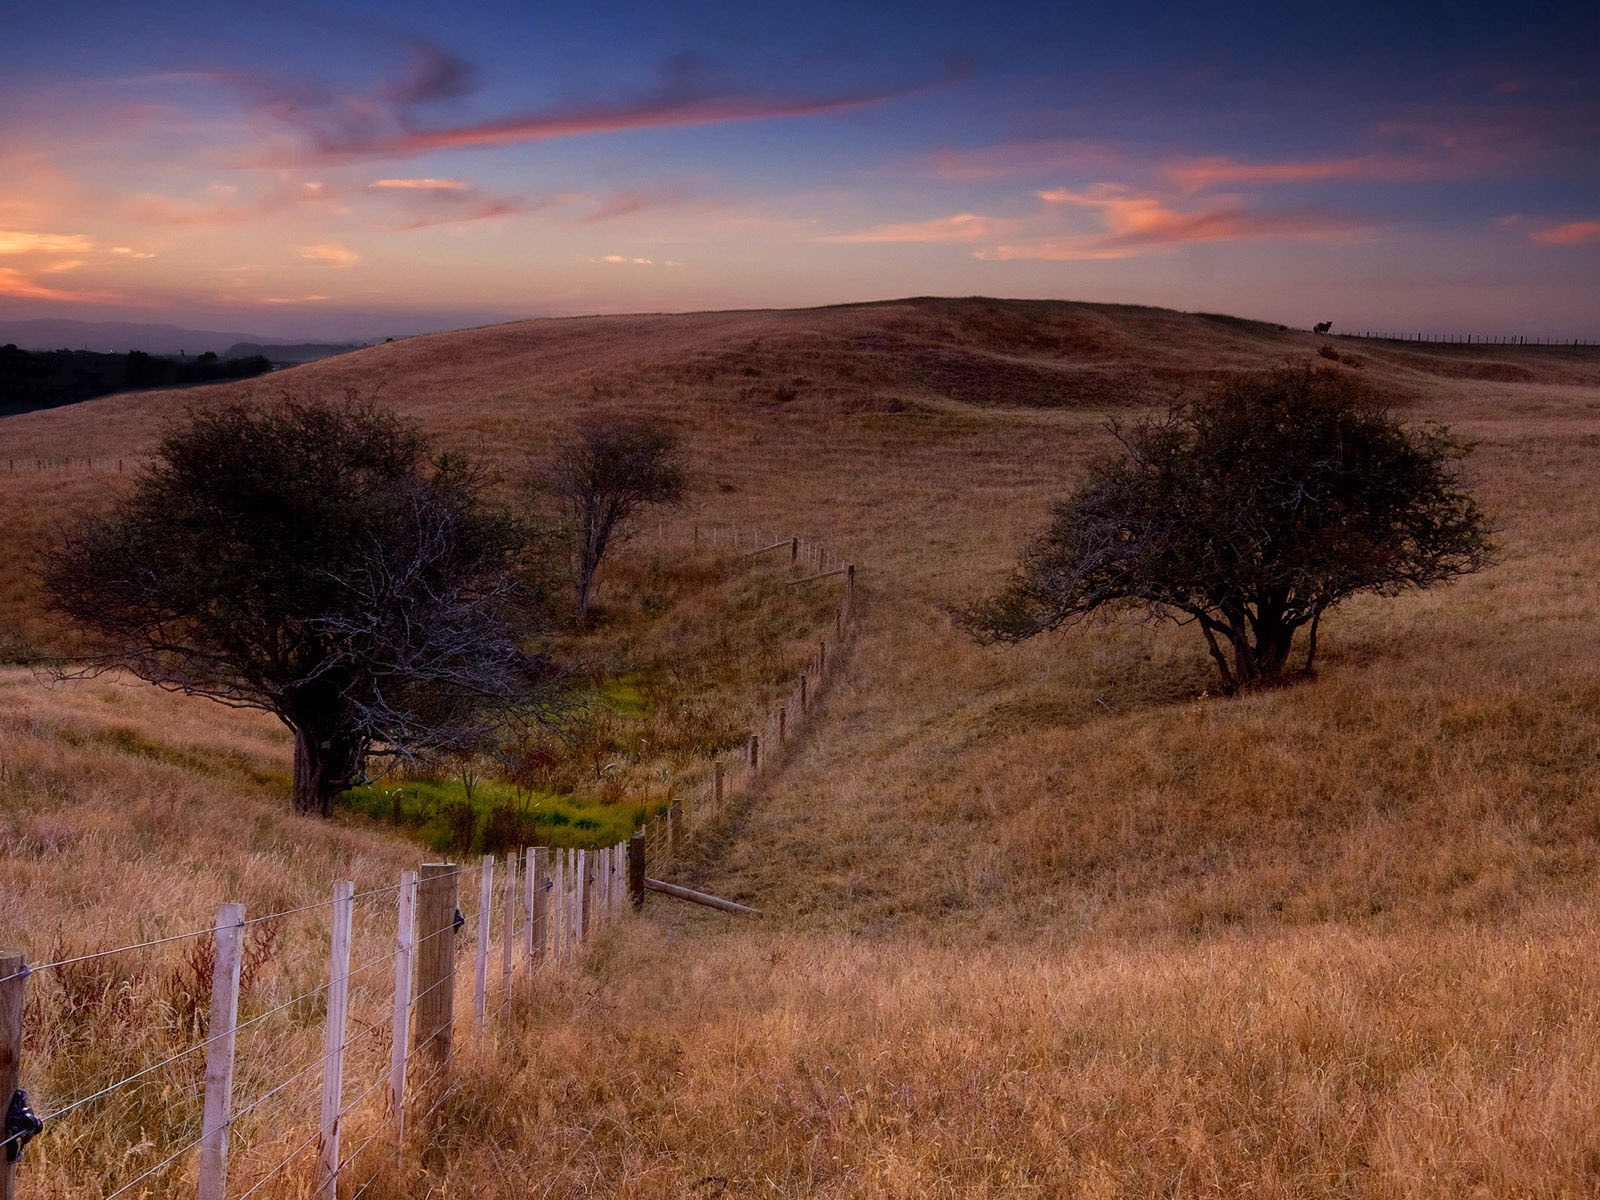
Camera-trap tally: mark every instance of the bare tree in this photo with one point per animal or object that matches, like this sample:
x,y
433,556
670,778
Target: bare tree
x,y
315,561
601,478
1250,514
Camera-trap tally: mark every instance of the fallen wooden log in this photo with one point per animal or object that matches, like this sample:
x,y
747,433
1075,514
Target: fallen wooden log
x,y
694,897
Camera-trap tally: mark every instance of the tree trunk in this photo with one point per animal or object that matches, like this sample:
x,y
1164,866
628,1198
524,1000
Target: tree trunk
x,y
324,766
1311,644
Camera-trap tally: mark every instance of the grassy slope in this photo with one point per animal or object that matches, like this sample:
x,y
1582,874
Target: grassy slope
x,y
1043,921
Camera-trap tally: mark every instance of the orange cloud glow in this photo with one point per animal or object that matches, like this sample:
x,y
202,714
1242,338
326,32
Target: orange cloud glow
x,y
17,241
15,284
1574,233
330,253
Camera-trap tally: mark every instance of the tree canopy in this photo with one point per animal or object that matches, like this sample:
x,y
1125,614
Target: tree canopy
x,y
1249,514
600,478
315,560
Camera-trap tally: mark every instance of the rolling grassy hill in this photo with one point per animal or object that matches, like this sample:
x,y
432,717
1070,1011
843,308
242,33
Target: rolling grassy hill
x,y
1043,921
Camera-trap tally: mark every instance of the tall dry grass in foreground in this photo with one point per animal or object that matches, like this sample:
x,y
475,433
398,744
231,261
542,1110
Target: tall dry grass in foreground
x,y
1051,921
1307,1063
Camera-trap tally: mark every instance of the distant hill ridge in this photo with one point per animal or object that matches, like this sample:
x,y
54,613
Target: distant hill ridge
x,y
295,352
498,386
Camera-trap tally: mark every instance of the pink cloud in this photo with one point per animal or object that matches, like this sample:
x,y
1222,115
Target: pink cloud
x,y
1137,219
1573,233
1201,174
963,227
483,211
420,185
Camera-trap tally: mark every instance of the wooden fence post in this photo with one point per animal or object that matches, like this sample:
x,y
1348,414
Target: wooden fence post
x,y
436,962
613,884
529,901
480,976
539,875
619,856
783,721
14,970
334,1042
586,873
400,1030
636,870
849,591
575,902
508,933
754,753
563,888
219,1053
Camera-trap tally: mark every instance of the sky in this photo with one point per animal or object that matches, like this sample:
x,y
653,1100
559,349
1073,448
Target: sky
x,y
362,170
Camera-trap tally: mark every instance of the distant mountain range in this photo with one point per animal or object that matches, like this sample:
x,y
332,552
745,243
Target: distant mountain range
x,y
118,337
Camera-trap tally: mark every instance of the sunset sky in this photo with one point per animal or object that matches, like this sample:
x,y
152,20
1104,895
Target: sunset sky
x,y
351,169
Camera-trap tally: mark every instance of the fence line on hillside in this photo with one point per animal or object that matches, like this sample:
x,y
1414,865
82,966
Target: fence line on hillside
x,y
12,465
702,791
442,958
1468,339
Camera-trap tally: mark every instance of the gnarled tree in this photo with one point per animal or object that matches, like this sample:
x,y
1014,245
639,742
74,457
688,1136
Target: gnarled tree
x,y
314,560
600,478
1249,514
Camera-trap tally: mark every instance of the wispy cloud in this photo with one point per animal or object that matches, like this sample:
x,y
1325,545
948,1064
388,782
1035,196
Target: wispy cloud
x,y
1129,222
629,260
332,254
1205,173
419,185
963,227
1136,219
19,285
19,241
385,124
1573,233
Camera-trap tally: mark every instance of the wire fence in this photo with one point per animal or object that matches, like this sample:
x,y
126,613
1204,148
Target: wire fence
x,y
1466,339
329,1069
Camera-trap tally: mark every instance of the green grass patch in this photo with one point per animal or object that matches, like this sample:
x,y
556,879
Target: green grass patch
x,y
494,816
625,696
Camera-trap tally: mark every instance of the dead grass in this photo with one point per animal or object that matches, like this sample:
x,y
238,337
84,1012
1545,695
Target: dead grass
x,y
1047,921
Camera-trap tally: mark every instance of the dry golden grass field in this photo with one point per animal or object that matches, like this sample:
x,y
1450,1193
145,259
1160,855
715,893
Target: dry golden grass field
x,y
1045,921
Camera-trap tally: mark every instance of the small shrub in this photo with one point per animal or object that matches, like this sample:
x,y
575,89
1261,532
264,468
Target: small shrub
x,y
461,824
